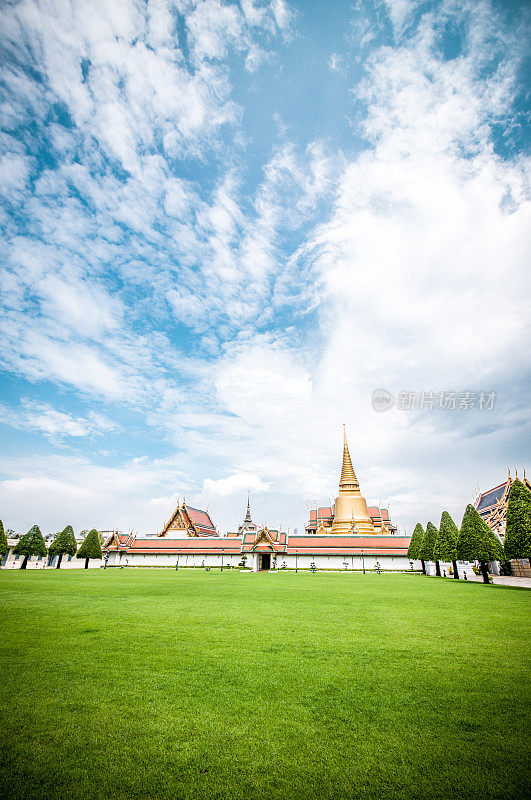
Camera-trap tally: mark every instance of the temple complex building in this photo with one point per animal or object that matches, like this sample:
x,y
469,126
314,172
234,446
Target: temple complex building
x,y
492,504
347,536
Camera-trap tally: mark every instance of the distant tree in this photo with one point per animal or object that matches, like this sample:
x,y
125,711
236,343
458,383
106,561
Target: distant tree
x,y
445,548
63,544
32,544
91,547
415,544
517,542
477,542
4,547
426,550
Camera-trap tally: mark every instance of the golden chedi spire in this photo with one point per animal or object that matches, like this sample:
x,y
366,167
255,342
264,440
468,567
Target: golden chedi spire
x,y
351,512
348,478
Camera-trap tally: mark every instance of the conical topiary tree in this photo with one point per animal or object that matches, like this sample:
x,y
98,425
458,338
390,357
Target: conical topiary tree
x,y
91,547
4,547
32,544
63,544
445,548
426,550
477,542
415,544
517,542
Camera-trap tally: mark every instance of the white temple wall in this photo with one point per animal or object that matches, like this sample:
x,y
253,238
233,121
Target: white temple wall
x,y
253,561
186,560
342,562
14,562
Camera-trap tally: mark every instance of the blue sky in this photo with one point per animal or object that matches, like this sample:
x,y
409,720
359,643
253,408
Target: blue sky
x,y
224,225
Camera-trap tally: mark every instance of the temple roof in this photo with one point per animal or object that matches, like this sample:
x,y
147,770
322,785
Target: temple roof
x,y
269,541
264,541
201,519
195,544
491,497
195,520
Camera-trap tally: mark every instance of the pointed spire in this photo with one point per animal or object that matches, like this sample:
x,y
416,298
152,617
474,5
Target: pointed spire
x,y
248,515
348,478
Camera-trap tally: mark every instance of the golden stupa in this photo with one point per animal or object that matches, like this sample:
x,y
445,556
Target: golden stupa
x,y
351,513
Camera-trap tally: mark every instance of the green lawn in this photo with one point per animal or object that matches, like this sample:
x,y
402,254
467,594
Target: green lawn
x,y
163,684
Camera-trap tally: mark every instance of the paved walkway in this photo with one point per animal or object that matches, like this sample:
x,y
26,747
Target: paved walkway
x,y
505,580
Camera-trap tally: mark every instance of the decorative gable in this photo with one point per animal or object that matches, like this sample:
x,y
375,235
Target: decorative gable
x,y
264,541
179,521
189,521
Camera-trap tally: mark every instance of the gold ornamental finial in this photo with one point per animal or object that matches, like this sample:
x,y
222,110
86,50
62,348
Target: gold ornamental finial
x,y
348,478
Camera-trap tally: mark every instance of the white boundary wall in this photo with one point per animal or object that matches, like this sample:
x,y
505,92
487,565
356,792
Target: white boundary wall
x,y
332,562
34,563
170,560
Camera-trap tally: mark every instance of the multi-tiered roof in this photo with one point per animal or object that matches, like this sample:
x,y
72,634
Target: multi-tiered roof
x,y
190,521
492,504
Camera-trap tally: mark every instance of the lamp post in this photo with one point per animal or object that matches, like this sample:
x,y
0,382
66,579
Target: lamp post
x,y
296,563
177,562
363,560
222,551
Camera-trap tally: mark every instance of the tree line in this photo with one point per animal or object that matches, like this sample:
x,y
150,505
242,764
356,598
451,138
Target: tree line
x,y
475,541
33,544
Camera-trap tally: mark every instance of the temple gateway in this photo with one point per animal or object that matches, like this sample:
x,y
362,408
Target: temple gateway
x,y
347,535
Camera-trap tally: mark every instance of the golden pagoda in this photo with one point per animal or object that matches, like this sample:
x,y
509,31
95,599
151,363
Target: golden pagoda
x,y
351,512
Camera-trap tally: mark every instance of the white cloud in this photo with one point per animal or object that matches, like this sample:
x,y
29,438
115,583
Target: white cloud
x,y
87,309
73,364
130,92
400,13
14,173
54,424
87,495
233,484
282,13
213,28
335,62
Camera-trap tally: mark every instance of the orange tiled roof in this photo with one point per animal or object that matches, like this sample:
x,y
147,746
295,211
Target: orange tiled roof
x,y
275,542
201,519
194,544
349,545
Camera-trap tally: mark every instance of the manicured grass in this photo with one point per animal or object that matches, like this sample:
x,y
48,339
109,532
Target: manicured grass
x,y
157,684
